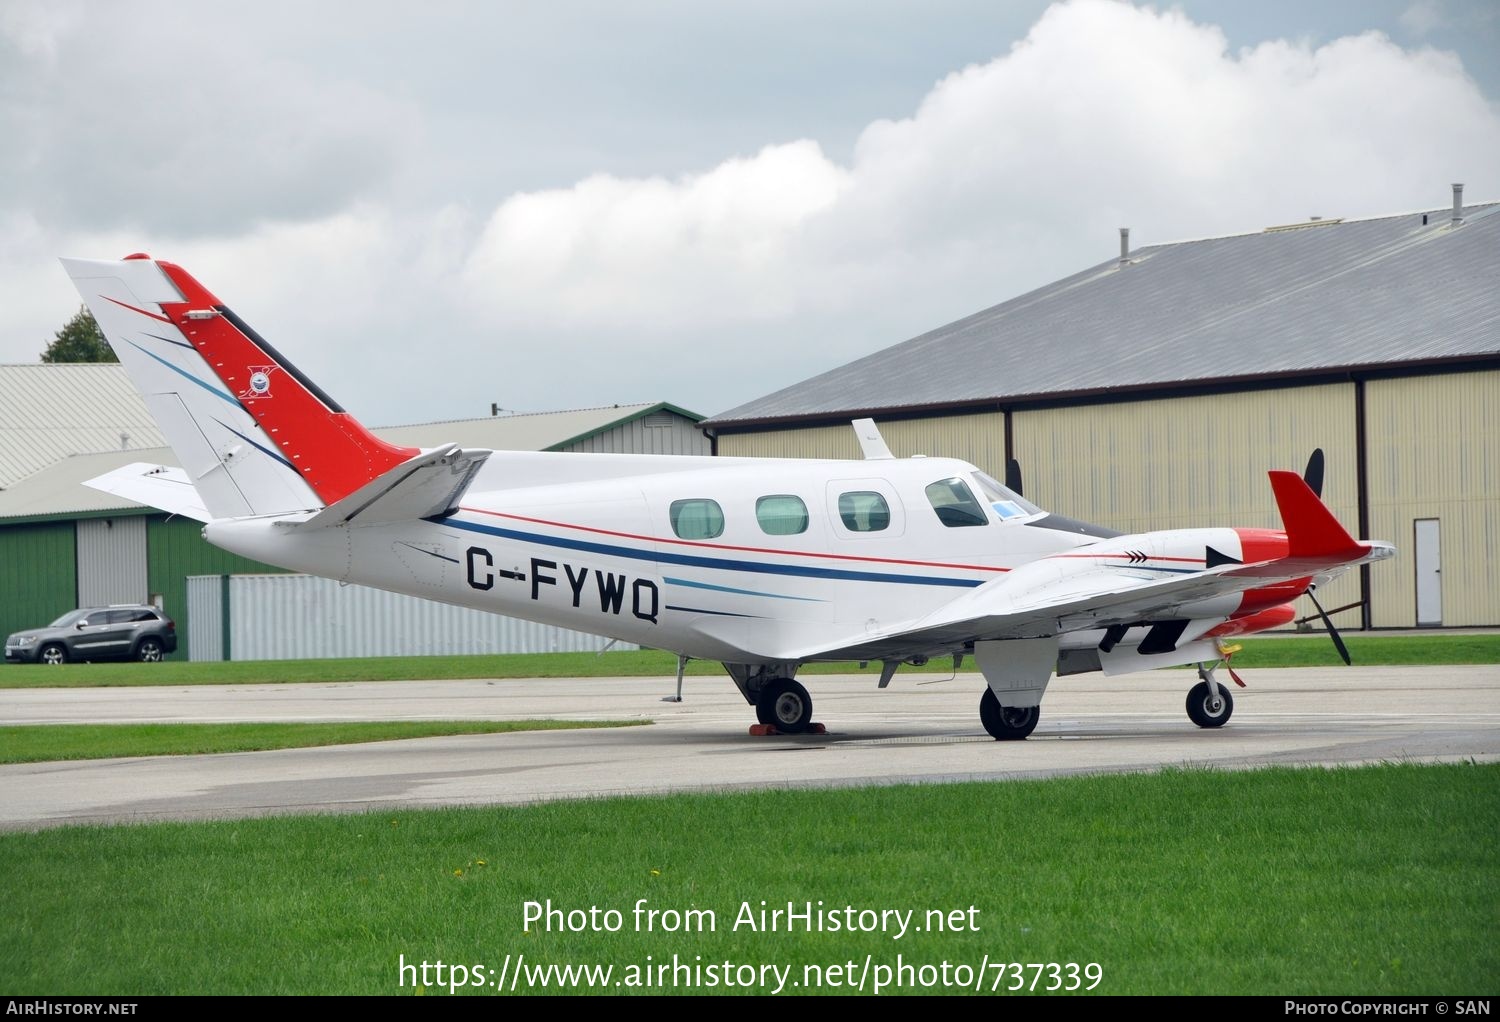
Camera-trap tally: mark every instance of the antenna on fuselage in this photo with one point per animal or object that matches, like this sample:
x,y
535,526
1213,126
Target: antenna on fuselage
x,y
871,443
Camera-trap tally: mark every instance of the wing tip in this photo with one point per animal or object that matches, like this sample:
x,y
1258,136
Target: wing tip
x,y
1311,528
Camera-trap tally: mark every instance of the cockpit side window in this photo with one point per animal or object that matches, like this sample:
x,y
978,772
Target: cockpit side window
x,y
1007,503
954,503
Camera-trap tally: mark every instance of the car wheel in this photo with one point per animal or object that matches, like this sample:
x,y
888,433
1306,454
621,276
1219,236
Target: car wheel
x,y
149,651
53,653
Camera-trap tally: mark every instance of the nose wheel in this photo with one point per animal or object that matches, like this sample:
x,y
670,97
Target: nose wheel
x,y
1209,705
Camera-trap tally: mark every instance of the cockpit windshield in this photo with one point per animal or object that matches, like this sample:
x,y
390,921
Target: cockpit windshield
x,y
1007,503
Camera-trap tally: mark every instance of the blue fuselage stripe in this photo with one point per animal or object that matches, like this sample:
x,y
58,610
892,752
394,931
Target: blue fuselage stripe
x,y
701,610
717,563
738,592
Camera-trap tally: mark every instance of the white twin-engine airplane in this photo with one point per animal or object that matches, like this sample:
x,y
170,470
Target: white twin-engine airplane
x,y
761,564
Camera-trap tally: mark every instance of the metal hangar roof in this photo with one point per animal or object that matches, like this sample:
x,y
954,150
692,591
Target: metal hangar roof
x,y
1302,300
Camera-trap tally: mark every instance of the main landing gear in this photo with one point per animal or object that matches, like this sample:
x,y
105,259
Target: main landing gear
x,y
1017,669
782,705
1006,723
785,705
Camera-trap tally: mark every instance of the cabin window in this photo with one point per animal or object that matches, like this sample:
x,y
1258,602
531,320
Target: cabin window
x,y
955,504
781,515
864,511
699,518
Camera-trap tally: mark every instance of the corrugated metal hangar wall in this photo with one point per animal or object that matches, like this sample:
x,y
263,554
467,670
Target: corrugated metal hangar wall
x,y
294,617
1430,454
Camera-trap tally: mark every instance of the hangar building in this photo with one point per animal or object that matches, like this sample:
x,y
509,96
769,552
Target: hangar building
x,y
1154,391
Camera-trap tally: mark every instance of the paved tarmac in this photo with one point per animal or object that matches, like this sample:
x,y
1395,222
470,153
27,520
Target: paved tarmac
x,y
921,729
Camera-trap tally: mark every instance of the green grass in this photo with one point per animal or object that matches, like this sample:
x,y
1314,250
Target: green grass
x,y
1365,881
36,743
1317,650
1291,651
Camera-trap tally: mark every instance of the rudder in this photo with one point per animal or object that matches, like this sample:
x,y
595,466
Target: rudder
x,y
255,436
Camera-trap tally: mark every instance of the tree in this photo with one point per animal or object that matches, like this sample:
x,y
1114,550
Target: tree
x,y
80,340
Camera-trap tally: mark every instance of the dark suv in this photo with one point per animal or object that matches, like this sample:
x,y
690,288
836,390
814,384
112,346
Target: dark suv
x,y
96,633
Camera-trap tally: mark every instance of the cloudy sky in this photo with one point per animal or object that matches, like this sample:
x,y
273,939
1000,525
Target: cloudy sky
x,y
433,207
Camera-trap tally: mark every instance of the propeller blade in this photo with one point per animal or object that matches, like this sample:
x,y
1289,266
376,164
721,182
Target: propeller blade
x,y
1333,633
1313,475
1013,476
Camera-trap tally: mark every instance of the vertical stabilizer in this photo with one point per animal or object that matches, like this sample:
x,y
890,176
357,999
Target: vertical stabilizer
x,y
255,436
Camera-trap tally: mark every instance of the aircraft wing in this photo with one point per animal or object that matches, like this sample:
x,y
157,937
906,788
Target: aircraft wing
x,y
1002,609
1054,595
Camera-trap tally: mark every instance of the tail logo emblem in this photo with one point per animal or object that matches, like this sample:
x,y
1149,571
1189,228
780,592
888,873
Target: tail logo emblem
x,y
260,382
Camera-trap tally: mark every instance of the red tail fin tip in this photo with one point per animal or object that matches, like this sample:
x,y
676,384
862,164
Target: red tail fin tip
x,y
1311,529
332,451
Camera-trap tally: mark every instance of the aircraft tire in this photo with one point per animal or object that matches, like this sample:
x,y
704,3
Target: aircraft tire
x,y
1007,723
764,710
785,705
1206,711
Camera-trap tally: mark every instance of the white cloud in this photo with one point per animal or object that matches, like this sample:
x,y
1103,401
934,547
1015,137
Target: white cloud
x,y
722,282
33,27
134,115
1423,17
652,251
1007,175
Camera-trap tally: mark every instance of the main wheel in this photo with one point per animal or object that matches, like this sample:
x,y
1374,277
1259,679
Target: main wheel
x,y
1006,723
1209,706
53,653
149,651
785,705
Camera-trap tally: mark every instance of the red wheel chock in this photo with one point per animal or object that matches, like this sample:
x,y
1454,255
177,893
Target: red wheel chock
x,y
765,730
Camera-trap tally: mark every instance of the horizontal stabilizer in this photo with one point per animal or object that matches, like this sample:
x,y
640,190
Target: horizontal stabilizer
x,y
432,483
159,486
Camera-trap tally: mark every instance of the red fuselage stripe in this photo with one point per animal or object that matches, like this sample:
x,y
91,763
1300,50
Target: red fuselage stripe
x,y
725,546
1119,555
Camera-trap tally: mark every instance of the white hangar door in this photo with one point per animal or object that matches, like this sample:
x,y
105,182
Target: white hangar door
x,y
111,561
1429,573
